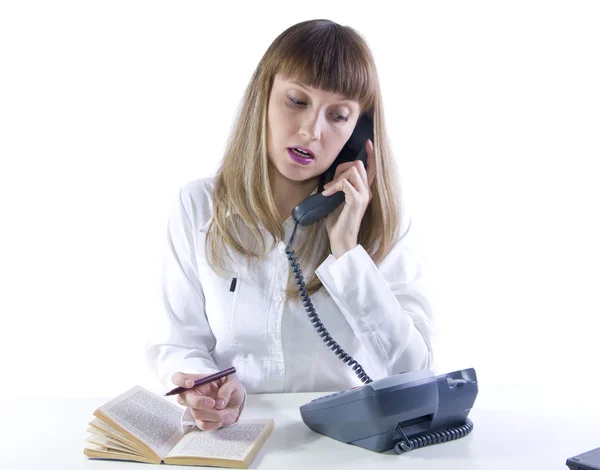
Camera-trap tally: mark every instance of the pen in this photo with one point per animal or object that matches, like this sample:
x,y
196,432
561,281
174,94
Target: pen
x,y
202,381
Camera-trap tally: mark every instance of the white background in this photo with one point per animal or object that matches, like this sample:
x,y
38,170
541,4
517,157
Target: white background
x,y
107,108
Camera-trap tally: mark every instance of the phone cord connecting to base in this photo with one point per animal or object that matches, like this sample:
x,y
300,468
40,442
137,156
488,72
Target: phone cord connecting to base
x,y
406,444
315,320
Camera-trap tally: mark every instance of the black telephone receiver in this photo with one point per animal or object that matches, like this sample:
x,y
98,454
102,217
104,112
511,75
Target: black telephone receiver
x,y
317,206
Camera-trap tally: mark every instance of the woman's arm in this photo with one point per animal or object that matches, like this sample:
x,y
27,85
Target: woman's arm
x,y
384,304
182,339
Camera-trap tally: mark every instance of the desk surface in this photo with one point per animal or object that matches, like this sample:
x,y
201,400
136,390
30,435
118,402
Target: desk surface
x,y
514,427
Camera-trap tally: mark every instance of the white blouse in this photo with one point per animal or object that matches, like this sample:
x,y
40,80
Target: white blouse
x,y
377,313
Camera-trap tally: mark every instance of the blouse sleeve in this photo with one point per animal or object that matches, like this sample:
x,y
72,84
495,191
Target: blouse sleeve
x,y
182,340
384,304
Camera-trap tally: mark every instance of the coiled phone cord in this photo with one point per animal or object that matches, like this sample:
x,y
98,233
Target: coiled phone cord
x,y
316,321
406,444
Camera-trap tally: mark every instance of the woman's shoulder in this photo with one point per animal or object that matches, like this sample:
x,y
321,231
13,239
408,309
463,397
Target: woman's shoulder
x,y
199,188
197,199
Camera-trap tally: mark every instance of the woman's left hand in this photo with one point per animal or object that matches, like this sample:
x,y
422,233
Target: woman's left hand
x,y
343,223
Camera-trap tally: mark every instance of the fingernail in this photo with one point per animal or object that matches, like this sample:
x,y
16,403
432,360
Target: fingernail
x,y
189,382
220,404
208,402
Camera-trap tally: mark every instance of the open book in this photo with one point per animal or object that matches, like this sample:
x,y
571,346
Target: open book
x,y
141,426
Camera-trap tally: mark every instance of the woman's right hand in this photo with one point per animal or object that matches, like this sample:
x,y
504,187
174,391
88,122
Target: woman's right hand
x,y
213,405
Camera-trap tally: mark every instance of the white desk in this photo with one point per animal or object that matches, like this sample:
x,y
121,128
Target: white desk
x,y
515,428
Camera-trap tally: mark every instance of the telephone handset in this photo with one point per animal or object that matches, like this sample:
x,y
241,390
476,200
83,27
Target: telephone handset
x,y
403,411
317,206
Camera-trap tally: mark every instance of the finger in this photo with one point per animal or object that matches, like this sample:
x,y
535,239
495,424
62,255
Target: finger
x,y
208,425
340,169
226,416
365,187
351,177
182,380
351,194
370,170
355,173
195,399
213,415
187,381
360,167
225,393
209,389
358,183
370,163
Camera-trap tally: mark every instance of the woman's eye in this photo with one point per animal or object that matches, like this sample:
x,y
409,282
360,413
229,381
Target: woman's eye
x,y
295,102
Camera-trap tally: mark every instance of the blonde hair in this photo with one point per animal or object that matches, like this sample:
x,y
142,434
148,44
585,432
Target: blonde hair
x,y
324,55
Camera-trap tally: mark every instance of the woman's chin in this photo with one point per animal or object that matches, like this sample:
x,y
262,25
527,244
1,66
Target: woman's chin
x,y
295,174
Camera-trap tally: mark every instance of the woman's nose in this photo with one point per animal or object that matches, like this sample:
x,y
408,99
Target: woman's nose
x,y
311,127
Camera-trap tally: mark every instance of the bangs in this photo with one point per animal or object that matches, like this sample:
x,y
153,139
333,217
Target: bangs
x,y
329,57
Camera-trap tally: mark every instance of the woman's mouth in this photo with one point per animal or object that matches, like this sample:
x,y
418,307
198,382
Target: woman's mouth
x,y
299,156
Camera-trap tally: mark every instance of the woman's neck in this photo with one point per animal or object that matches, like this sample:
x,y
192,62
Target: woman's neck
x,y
288,194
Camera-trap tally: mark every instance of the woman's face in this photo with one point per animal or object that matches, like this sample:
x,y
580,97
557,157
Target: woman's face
x,y
313,120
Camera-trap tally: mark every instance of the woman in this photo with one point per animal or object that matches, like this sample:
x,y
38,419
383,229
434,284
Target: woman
x,y
229,294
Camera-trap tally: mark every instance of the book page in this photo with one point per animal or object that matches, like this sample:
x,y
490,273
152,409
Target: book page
x,y
107,430
96,434
150,418
233,442
110,444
